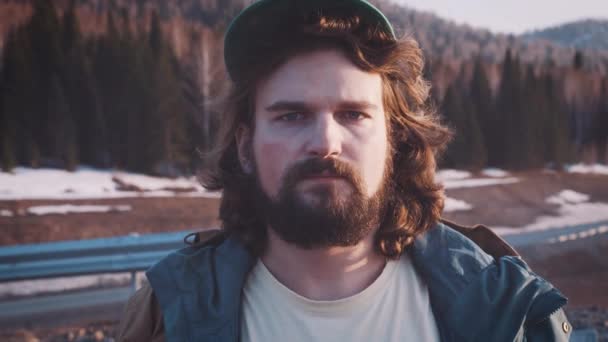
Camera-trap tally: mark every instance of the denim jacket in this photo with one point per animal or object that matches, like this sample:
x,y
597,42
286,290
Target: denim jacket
x,y
475,295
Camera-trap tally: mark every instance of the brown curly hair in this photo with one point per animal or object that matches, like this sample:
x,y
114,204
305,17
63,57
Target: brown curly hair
x,y
413,126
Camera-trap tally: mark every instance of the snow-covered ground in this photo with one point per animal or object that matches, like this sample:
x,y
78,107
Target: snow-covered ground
x,y
478,182
31,287
565,197
452,204
574,209
87,183
71,208
598,169
495,173
455,179
449,174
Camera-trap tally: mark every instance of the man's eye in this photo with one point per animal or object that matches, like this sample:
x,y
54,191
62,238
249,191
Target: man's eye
x,y
294,116
353,115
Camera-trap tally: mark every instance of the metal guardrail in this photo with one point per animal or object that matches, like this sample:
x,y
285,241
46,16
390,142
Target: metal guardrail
x,y
138,252
134,253
584,335
74,258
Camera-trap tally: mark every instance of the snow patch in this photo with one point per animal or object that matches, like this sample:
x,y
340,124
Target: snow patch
x,y
455,179
568,196
452,204
87,183
494,173
574,210
568,215
598,169
71,208
31,287
149,183
6,213
478,182
448,174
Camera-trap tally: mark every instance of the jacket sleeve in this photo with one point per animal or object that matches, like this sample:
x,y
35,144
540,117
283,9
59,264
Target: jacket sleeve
x,y
142,318
555,328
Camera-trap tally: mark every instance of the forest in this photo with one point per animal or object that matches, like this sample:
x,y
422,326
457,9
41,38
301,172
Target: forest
x,y
126,97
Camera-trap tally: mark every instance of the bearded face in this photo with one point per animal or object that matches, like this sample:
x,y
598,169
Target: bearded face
x,y
320,148
334,211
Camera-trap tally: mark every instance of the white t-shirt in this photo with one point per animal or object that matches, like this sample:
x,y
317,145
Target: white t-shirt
x,y
395,307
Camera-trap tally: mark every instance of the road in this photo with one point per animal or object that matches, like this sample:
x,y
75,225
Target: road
x,y
106,304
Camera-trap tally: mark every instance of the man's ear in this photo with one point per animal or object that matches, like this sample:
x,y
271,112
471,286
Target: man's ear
x,y
243,144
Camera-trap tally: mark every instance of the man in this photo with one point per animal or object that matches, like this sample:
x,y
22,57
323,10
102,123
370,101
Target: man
x,y
330,211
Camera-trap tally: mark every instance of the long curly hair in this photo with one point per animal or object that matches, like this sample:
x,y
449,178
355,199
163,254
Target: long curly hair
x,y
414,129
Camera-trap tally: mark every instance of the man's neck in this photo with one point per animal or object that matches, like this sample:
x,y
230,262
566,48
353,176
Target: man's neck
x,y
328,273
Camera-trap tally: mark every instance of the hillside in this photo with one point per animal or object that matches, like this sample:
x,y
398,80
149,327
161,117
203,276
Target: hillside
x,y
446,40
441,38
584,34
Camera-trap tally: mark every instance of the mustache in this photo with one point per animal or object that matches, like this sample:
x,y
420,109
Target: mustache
x,y
328,167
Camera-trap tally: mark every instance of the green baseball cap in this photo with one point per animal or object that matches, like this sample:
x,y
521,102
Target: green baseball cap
x,y
270,16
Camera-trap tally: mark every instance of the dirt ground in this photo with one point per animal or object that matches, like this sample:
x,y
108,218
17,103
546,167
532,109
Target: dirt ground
x,y
518,204
147,215
581,274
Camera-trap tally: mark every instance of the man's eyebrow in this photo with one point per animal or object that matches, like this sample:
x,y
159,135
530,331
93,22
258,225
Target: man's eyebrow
x,y
280,106
303,106
357,105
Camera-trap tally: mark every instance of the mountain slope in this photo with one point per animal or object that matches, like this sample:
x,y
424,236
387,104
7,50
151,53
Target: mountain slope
x,y
583,34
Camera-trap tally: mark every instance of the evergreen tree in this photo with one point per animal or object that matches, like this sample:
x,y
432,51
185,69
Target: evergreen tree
x,y
63,146
82,94
601,123
509,106
482,101
558,146
46,62
111,69
7,154
467,149
530,138
18,82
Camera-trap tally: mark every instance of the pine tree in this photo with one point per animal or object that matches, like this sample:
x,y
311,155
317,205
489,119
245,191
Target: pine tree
x,y
601,123
482,101
509,107
558,146
46,57
63,147
467,149
18,81
111,69
530,137
165,132
7,154
82,94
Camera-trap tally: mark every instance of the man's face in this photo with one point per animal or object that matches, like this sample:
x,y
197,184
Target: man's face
x,y
320,149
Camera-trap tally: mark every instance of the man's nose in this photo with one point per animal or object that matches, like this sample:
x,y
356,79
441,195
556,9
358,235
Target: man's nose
x,y
325,139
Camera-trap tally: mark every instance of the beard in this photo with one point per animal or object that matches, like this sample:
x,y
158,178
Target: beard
x,y
331,216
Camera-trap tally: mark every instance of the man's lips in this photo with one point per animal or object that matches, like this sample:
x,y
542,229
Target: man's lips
x,y
323,177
